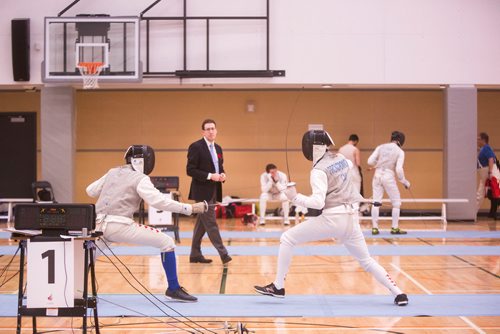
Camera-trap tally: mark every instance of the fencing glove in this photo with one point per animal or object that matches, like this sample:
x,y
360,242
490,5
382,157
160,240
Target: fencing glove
x,y
406,183
200,207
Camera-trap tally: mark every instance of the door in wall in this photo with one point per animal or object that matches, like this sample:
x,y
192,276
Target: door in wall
x,y
17,154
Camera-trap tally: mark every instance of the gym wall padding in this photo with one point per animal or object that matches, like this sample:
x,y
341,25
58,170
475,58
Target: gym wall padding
x,y
57,121
109,121
460,114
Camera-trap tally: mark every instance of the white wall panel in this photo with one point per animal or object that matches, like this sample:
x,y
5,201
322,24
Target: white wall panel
x,y
322,41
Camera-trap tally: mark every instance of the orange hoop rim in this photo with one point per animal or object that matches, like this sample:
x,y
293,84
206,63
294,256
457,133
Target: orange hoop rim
x,y
91,67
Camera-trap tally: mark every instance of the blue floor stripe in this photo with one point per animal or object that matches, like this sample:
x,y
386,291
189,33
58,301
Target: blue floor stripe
x,y
383,234
294,306
326,250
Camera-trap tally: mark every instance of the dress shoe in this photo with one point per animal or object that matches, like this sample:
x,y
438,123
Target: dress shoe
x,y
226,259
199,259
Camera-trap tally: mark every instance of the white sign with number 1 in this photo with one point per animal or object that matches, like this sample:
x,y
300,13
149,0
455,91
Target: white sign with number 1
x,y
50,274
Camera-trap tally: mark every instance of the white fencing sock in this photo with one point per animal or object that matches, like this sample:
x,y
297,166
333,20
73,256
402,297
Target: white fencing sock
x,y
375,212
284,260
286,210
395,217
262,208
382,276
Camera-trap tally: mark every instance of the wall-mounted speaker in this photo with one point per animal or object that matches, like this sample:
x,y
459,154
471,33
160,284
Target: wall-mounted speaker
x,y
21,49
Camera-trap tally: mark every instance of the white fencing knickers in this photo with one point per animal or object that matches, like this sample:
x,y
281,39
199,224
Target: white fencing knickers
x,y
384,179
135,234
264,197
342,224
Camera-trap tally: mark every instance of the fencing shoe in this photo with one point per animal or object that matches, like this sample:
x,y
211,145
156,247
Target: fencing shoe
x,y
270,290
375,231
397,231
401,300
180,295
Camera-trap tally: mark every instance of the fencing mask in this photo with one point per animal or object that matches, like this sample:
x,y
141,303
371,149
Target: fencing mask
x,y
315,143
398,137
141,157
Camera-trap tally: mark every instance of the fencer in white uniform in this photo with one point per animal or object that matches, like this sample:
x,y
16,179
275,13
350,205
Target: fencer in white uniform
x,y
271,181
388,160
332,191
120,192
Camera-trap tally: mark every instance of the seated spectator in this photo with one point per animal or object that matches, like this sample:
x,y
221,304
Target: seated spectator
x,y
271,181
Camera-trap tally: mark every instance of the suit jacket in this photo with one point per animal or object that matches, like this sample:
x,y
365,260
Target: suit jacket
x,y
199,164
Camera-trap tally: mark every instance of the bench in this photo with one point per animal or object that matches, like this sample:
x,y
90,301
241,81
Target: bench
x,y
442,218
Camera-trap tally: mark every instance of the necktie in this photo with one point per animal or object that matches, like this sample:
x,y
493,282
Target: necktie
x,y
214,158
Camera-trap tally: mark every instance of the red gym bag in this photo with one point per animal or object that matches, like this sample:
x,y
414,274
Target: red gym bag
x,y
492,188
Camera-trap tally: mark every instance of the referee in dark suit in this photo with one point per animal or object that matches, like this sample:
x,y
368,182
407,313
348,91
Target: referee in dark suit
x,y
205,166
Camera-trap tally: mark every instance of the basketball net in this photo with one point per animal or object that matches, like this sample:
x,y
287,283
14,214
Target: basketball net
x,y
90,73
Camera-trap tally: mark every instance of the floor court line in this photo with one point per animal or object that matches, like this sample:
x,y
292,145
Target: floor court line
x,y
476,266
413,280
274,329
472,325
427,291
223,280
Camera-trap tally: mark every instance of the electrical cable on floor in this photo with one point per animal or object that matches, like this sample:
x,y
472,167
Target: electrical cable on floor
x,y
130,283
188,321
6,268
274,323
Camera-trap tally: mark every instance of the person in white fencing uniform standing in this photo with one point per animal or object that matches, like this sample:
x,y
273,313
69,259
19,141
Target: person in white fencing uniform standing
x,y
120,192
388,160
334,193
271,181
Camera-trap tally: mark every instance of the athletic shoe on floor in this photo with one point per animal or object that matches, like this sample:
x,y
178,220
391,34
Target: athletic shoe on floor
x,y
286,222
375,231
401,300
270,290
397,231
180,295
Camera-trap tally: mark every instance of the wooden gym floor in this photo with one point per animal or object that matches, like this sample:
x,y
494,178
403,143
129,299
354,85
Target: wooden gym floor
x,y
329,275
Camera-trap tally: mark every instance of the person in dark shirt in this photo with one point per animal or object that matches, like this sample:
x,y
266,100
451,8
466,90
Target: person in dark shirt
x,y
205,165
487,169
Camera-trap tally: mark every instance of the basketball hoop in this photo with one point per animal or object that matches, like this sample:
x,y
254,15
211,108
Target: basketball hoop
x,y
90,73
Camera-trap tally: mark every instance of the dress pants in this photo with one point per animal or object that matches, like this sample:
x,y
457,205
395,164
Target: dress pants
x,y
206,222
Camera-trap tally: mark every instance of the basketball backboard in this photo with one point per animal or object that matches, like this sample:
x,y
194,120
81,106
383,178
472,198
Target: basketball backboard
x,y
100,38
